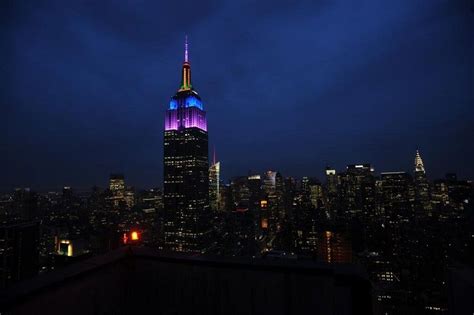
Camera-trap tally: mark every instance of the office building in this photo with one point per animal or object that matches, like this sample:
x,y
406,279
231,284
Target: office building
x,y
186,169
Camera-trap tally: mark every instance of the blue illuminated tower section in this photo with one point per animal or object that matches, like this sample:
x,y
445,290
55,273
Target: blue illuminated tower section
x,y
186,178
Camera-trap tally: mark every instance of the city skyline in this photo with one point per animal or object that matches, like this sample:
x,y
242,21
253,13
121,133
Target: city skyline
x,y
412,171
88,100
104,182
216,157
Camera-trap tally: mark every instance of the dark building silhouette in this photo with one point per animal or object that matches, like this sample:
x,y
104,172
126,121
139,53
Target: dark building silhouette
x,y
357,191
395,196
255,192
186,169
331,191
240,192
334,247
25,203
18,252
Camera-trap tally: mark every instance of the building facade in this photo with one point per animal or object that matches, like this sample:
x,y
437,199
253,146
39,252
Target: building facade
x,y
214,186
186,169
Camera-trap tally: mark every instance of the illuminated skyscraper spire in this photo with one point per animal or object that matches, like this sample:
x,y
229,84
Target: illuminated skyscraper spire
x,y
422,187
214,156
419,167
186,76
185,107
186,49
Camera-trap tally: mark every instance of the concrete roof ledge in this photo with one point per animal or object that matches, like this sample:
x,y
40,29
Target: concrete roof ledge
x,y
114,273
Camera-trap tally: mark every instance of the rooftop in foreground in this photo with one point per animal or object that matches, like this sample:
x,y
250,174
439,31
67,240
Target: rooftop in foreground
x,y
140,280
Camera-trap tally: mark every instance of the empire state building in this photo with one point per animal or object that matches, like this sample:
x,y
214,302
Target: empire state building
x,y
186,178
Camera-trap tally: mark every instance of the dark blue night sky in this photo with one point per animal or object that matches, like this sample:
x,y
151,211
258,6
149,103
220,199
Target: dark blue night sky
x,y
288,85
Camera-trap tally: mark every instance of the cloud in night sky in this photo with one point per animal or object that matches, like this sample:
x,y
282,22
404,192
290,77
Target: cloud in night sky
x,y
292,86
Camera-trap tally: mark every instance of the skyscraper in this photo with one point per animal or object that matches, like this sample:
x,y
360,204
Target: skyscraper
x,y
117,183
331,181
273,187
117,189
186,169
214,185
395,196
422,186
332,186
316,194
358,190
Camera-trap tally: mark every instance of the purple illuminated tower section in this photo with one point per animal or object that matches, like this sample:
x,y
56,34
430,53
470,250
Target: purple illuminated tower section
x,y
185,117
185,109
186,169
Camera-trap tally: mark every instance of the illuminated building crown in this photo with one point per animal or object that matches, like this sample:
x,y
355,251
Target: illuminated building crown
x,y
185,108
419,167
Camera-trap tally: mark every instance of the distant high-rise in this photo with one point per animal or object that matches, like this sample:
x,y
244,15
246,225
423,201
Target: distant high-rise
x,y
273,187
305,184
395,196
186,169
25,203
214,185
316,194
117,182
334,248
255,192
129,197
422,186
332,185
419,166
117,189
331,181
358,190
240,192
312,191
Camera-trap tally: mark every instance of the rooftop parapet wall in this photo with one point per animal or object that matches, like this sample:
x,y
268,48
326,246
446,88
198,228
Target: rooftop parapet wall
x,y
134,280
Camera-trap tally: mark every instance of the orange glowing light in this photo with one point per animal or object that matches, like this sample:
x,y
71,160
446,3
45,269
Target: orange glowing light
x,y
264,223
134,236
